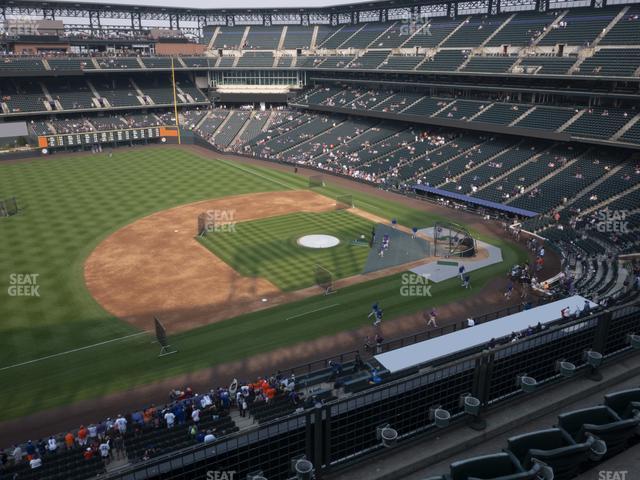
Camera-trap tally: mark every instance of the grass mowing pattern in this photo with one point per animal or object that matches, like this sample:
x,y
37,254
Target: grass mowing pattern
x,y
267,248
73,203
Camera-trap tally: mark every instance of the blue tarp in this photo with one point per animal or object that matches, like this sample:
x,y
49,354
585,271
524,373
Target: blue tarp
x,y
475,201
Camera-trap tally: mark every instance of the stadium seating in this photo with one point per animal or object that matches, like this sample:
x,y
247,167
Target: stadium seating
x,y
227,132
70,63
426,106
501,113
198,62
229,37
400,62
474,31
263,38
625,403
546,118
462,109
369,60
211,123
498,465
394,36
547,65
528,174
633,134
444,60
118,63
523,29
256,60
625,31
602,422
567,183
338,61
441,96
489,171
580,26
253,127
367,35
494,64
397,102
24,64
431,32
72,94
298,37
340,36
616,62
64,465
473,157
118,91
29,97
159,62
599,123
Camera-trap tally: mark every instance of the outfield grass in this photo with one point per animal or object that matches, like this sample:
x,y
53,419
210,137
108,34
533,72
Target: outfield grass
x,y
73,203
268,247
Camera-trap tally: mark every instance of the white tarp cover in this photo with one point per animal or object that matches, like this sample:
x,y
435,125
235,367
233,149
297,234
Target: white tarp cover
x,y
429,350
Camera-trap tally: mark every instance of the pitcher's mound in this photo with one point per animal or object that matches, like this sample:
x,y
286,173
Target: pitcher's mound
x,y
318,241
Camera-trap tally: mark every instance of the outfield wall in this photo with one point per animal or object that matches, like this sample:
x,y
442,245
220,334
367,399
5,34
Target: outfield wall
x,y
343,432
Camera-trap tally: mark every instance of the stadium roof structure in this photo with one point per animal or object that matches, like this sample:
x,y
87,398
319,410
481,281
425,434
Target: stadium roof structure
x,y
475,201
334,14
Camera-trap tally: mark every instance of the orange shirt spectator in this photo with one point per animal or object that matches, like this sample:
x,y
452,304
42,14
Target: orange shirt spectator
x,y
69,439
147,415
88,454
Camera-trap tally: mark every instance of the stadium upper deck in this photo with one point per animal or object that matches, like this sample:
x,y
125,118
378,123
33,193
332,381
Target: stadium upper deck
x,y
486,38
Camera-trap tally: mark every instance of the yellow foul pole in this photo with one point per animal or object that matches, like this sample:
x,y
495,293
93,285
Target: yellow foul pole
x,y
175,100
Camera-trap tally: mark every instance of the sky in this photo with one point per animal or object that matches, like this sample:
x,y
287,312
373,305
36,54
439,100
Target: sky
x,y
228,3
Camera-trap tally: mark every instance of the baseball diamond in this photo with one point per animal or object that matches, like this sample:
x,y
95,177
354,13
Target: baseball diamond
x,y
380,240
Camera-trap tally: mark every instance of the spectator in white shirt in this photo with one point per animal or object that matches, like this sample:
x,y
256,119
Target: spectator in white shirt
x,y
195,415
52,445
209,437
36,462
170,418
104,451
121,424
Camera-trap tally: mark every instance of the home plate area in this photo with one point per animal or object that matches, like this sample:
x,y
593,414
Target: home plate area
x,y
402,249
445,268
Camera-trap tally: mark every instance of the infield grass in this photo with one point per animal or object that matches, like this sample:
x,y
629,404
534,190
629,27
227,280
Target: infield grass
x,y
268,247
71,204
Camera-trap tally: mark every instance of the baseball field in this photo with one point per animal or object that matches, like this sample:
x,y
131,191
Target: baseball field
x,y
64,257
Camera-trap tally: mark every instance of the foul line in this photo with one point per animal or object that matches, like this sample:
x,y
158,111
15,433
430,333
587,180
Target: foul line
x,y
313,311
231,164
71,351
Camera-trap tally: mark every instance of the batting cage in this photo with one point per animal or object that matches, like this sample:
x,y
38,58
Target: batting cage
x,y
8,207
162,339
316,181
344,202
452,240
324,279
206,223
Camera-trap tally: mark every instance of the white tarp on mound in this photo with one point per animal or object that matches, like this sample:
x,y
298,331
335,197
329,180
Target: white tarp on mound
x,y
438,347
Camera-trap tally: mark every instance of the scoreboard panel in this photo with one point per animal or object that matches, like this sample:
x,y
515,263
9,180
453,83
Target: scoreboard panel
x,y
108,136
